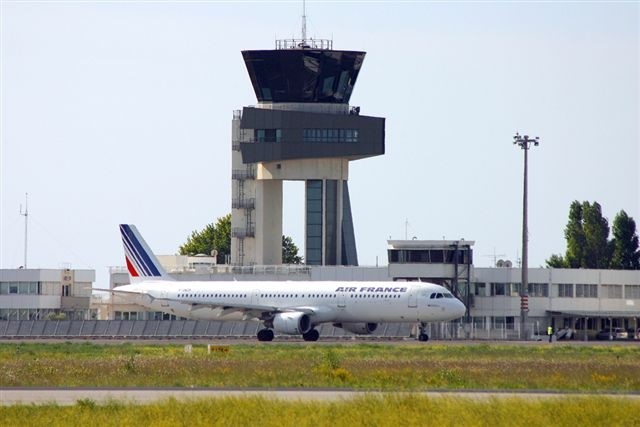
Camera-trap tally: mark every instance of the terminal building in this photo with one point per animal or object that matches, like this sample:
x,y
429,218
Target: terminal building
x,y
41,294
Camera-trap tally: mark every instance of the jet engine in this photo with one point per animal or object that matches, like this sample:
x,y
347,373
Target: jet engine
x,y
294,323
358,328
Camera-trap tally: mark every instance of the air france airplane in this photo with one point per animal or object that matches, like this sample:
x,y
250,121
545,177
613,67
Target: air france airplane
x,y
293,308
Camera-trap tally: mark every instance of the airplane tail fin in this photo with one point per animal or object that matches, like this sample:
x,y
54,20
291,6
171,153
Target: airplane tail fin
x,y
141,262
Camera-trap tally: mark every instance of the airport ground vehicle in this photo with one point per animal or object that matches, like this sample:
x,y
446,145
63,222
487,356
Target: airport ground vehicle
x,y
612,334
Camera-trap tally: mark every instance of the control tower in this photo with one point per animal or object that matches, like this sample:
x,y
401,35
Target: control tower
x,y
302,129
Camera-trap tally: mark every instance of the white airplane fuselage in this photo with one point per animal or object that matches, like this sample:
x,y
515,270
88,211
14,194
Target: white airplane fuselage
x,y
328,301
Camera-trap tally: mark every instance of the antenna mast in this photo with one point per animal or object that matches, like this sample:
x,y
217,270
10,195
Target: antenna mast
x,y
304,23
25,214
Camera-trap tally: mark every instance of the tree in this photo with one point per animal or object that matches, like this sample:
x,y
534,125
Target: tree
x,y
290,251
625,254
597,252
218,237
212,237
588,244
556,261
574,234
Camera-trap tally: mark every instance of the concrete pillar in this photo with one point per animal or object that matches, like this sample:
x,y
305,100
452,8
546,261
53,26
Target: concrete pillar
x,y
268,222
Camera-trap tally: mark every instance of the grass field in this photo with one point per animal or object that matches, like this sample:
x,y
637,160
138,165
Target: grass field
x,y
614,368
393,410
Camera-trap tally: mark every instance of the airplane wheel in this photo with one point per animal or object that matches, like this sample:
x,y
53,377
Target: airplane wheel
x,y
265,335
423,337
312,335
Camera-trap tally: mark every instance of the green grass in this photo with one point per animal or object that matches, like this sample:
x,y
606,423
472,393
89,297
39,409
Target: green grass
x,y
611,368
391,410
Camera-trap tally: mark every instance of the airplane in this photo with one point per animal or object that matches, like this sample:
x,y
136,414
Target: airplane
x,y
284,307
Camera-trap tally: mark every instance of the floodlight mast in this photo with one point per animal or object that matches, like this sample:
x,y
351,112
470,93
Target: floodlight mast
x,y
525,142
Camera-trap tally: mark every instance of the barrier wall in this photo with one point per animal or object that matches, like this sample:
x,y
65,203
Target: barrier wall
x,y
166,329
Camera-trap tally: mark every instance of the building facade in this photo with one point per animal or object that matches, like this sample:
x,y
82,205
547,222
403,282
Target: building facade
x,y
42,294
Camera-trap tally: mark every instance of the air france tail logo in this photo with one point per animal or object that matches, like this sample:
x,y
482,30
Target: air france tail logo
x,y
139,263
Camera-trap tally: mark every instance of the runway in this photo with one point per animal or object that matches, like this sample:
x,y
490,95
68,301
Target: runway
x,y
70,396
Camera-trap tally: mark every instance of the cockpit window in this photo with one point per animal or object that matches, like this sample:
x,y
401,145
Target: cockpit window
x,y
448,295
432,296
439,295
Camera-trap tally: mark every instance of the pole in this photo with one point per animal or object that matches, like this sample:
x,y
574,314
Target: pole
x,y
25,214
524,289
525,143
304,23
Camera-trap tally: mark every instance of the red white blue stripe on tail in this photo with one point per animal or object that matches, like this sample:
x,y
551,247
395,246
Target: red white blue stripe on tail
x,y
140,260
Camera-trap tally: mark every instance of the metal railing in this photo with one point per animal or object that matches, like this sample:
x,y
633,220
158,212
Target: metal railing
x,y
324,44
248,173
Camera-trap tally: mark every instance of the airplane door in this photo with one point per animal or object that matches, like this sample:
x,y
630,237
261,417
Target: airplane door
x,y
342,300
413,300
164,302
255,297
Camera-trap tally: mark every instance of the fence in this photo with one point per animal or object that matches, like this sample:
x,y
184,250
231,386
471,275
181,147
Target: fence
x,y
192,329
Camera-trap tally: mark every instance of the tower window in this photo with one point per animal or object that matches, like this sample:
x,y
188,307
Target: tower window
x,y
268,135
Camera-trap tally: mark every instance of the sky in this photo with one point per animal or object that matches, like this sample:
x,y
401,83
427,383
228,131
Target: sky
x,y
120,112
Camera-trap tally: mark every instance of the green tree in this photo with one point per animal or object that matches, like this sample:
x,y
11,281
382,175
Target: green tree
x,y
588,244
574,234
218,237
625,254
597,252
556,261
290,251
212,237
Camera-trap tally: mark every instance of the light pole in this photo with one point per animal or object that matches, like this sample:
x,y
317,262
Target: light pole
x,y
525,143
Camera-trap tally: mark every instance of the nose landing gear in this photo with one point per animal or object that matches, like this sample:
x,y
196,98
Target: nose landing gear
x,y
422,332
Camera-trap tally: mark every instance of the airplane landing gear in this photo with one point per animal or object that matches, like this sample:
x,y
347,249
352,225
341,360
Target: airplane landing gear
x,y
422,334
312,335
265,335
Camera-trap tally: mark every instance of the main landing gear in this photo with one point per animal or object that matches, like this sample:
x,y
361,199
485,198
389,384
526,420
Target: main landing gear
x,y
312,335
265,335
422,332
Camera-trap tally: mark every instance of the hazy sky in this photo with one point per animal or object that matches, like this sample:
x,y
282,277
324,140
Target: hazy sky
x,y
121,112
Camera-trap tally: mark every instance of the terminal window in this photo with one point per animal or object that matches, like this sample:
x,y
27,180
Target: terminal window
x,y
430,256
632,291
538,290
330,135
565,290
612,291
589,291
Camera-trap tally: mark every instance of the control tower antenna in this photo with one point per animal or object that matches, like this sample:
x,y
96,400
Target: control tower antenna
x,y
304,22
25,214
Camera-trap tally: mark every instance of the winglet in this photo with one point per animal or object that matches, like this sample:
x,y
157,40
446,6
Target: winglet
x,y
141,262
